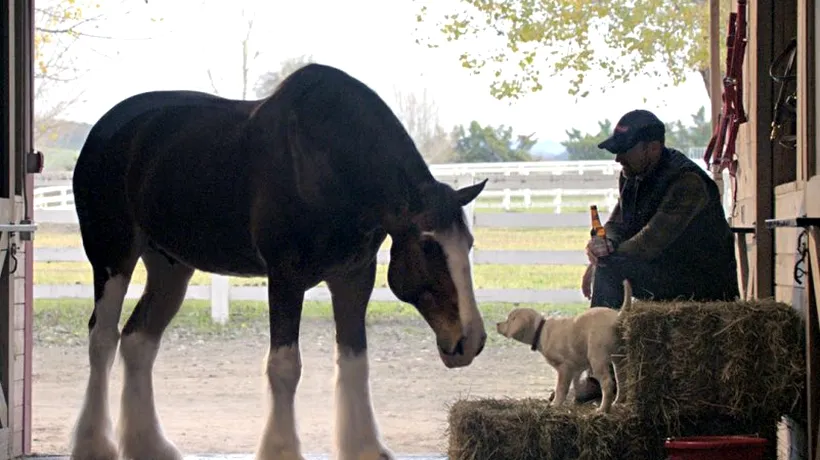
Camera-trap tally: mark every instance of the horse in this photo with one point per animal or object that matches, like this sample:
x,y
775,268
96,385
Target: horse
x,y
300,187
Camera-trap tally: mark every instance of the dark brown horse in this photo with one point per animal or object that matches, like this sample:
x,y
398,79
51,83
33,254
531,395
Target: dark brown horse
x,y
301,187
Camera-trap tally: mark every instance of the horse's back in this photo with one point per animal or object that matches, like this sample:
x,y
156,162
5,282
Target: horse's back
x,y
129,109
216,182
167,163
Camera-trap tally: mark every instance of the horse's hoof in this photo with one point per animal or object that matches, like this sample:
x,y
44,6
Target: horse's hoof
x,y
279,454
378,453
99,448
161,450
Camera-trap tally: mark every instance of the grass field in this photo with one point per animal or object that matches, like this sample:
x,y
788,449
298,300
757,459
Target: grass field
x,y
546,239
484,276
61,321
65,321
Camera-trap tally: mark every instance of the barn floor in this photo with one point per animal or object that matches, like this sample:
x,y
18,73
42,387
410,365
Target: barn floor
x,y
250,457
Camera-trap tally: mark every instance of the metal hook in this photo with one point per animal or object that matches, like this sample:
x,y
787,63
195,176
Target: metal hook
x,y
13,257
803,250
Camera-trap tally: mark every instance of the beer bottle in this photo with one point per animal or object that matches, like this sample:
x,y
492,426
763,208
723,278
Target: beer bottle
x,y
597,226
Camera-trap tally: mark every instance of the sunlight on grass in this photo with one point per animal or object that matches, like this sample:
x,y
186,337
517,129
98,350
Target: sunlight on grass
x,y
65,321
544,239
485,276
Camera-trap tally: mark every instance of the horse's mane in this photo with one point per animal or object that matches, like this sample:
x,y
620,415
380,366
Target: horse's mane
x,y
337,85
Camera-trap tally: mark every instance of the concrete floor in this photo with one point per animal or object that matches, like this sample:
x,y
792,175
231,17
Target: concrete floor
x,y
250,457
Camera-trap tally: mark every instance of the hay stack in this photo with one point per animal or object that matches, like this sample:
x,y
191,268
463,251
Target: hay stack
x,y
529,429
743,359
691,369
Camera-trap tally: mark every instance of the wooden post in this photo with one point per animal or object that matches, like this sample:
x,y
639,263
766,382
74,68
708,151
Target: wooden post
x,y
812,359
760,118
714,61
220,298
805,60
715,87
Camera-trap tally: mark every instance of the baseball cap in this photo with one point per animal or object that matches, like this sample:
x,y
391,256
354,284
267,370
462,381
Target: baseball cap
x,y
634,127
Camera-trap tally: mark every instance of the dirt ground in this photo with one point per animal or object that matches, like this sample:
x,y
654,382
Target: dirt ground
x,y
211,394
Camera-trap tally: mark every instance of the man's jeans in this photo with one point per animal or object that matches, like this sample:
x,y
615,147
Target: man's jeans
x,y
656,281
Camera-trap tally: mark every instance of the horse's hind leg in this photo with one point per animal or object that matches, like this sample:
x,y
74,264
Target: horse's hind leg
x,y
356,431
141,436
112,267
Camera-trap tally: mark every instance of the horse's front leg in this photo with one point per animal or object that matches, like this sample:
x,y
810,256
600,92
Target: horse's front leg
x,y
357,435
284,369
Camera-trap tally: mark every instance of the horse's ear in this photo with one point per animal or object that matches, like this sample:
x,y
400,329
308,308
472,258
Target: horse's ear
x,y
468,194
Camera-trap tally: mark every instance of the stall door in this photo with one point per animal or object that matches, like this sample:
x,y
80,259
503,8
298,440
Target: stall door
x,y
16,27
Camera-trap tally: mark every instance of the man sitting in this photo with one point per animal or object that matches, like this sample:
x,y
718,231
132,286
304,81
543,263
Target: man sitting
x,y
668,234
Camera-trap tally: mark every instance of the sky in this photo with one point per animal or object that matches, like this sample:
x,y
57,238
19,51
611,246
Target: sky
x,y
370,39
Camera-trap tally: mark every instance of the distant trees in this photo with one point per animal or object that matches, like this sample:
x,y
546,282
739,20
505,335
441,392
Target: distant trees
x,y
487,144
60,25
268,81
419,115
584,146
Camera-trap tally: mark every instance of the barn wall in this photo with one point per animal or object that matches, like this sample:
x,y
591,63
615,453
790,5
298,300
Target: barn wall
x,y
790,202
758,169
16,31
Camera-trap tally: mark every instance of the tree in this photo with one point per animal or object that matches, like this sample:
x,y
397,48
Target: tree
x,y
695,136
59,26
419,115
488,144
247,55
568,36
268,81
585,146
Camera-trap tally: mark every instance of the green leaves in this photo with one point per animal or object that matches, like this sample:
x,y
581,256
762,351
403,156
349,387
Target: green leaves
x,y
624,38
487,144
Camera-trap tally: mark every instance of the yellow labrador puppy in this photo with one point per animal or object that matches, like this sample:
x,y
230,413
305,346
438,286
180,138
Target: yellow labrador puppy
x,y
574,344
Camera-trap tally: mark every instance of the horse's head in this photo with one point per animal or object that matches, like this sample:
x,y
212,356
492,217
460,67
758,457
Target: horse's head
x,y
430,269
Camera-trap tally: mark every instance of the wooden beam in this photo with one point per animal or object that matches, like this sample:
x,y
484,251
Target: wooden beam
x,y
714,61
806,117
760,108
812,319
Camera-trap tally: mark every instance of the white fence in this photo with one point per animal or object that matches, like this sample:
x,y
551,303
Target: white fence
x,y
56,204
57,197
600,167
220,292
61,197
558,195
605,167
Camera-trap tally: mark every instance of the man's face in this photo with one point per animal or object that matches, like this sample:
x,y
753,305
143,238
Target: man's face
x,y
635,161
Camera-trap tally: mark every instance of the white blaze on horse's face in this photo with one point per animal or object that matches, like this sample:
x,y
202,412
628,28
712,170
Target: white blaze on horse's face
x,y
456,243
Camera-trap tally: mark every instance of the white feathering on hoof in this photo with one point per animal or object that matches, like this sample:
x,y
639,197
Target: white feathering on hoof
x,y
627,296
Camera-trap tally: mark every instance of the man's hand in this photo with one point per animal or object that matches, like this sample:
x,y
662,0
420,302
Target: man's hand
x,y
597,248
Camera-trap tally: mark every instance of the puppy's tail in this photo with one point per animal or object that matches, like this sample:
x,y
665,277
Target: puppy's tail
x,y
627,296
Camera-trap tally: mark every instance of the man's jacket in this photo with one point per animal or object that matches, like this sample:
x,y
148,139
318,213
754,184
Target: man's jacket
x,y
673,215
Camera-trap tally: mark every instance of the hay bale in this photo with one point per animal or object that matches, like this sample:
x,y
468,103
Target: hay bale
x,y
488,429
694,359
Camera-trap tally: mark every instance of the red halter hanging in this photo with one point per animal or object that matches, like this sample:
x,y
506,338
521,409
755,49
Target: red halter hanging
x,y
720,153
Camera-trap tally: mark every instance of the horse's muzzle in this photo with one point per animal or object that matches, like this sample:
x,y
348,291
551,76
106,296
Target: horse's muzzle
x,y
461,354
